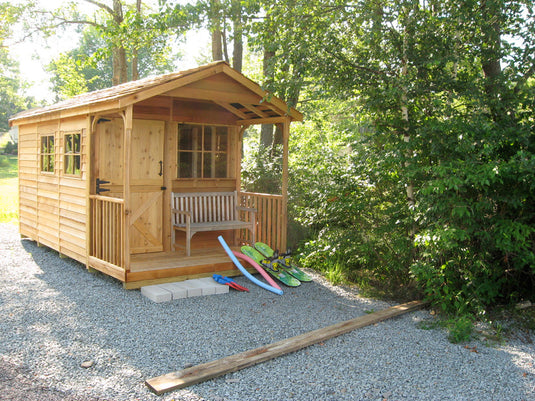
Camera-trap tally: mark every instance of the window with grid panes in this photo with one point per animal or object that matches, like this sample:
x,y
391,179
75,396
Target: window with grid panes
x,y
202,151
72,153
47,154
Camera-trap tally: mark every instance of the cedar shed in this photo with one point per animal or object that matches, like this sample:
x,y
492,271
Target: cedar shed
x,y
98,174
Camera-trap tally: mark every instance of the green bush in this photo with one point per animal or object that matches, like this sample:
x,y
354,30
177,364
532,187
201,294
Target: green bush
x,y
11,148
476,210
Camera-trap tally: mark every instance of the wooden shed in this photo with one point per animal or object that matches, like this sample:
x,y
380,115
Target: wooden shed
x,y
98,174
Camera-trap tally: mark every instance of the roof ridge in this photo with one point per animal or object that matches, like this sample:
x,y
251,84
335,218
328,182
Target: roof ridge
x,y
112,92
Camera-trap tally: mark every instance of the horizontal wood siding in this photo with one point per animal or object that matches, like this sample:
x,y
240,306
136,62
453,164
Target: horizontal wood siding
x,y
52,204
28,168
269,218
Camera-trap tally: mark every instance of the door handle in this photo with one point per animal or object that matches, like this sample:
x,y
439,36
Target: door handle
x,y
161,168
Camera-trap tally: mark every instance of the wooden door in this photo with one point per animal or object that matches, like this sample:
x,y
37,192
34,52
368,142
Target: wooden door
x,y
108,158
146,192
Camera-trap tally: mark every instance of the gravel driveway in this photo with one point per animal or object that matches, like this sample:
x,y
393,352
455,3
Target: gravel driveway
x,y
56,315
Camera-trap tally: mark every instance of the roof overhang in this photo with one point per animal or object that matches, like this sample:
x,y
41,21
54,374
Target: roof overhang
x,y
216,82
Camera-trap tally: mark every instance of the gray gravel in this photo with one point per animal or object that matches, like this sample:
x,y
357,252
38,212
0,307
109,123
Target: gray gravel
x,y
56,315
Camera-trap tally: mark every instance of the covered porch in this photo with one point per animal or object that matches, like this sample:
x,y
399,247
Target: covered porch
x,y
108,250
185,137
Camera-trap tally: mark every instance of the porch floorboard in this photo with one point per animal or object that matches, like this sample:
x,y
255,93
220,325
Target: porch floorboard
x,y
175,260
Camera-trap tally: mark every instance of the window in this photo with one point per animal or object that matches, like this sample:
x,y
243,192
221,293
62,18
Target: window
x,y
47,154
202,151
72,154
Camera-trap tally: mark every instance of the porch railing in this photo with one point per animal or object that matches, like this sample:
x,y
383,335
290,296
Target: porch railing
x,y
270,227
107,229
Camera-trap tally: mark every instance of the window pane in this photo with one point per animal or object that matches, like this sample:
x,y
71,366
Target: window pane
x,y
221,165
76,164
76,143
185,165
208,137
68,143
208,170
197,165
197,137
68,165
221,142
44,144
51,163
185,139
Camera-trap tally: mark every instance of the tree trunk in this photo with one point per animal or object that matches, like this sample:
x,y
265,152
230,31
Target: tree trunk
x,y
135,51
224,41
237,53
215,28
120,74
266,134
491,55
405,109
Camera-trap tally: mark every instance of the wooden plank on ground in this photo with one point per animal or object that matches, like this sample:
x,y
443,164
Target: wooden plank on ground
x,y
206,371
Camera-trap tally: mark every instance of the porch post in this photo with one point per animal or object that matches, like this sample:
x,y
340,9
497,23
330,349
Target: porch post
x,y
127,152
89,180
285,140
239,148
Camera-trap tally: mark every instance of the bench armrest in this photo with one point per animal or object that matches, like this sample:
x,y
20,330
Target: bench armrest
x,y
182,212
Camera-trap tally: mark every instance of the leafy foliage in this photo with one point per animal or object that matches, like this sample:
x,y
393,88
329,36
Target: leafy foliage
x,y
447,125
12,99
89,67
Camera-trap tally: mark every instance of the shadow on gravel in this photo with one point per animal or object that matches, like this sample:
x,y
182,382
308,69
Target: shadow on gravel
x,y
16,384
88,316
64,315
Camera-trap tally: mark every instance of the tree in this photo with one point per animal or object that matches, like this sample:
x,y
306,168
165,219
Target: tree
x,y
12,99
448,91
124,27
86,68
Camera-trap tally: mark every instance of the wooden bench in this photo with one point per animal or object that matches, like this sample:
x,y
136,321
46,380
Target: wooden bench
x,y
208,211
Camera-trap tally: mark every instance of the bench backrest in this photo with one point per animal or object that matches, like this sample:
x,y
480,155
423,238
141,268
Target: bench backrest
x,y
205,207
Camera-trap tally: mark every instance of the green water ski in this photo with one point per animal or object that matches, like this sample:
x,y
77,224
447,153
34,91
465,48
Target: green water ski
x,y
272,267
284,260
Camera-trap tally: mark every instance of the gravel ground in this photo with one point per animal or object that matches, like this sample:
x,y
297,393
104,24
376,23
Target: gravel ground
x,y
56,315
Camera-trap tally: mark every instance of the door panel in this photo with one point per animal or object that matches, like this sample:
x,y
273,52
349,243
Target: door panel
x,y
108,156
146,194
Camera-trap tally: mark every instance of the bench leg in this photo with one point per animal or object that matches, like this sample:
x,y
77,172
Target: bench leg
x,y
188,240
252,236
173,238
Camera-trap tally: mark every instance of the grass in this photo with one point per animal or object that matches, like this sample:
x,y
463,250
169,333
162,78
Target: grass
x,y
9,202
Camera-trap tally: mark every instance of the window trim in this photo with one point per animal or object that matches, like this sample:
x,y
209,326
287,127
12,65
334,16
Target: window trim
x,y
202,152
72,154
48,154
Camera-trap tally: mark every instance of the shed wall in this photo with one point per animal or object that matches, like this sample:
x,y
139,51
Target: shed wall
x,y
53,204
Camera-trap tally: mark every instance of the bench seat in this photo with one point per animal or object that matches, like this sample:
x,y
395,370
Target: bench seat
x,y
208,211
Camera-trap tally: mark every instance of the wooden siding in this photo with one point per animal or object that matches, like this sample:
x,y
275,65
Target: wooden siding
x,y
53,205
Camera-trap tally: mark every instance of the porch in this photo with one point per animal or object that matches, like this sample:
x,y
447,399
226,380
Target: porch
x,y
107,250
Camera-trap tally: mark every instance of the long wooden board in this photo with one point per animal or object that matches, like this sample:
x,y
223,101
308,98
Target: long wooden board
x,y
206,371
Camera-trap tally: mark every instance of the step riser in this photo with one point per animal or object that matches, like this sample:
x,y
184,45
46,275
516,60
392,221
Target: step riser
x,y
183,289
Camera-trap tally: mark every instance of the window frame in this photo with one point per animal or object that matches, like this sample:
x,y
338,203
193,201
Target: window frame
x,y
199,162
50,155
70,156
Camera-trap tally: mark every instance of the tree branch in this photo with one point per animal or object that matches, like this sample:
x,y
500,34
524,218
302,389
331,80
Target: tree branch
x,y
101,5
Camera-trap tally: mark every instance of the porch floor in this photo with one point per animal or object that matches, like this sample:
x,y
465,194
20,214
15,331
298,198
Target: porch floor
x,y
175,260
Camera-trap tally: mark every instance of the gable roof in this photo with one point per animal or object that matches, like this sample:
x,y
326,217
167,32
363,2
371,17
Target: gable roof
x,y
179,84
